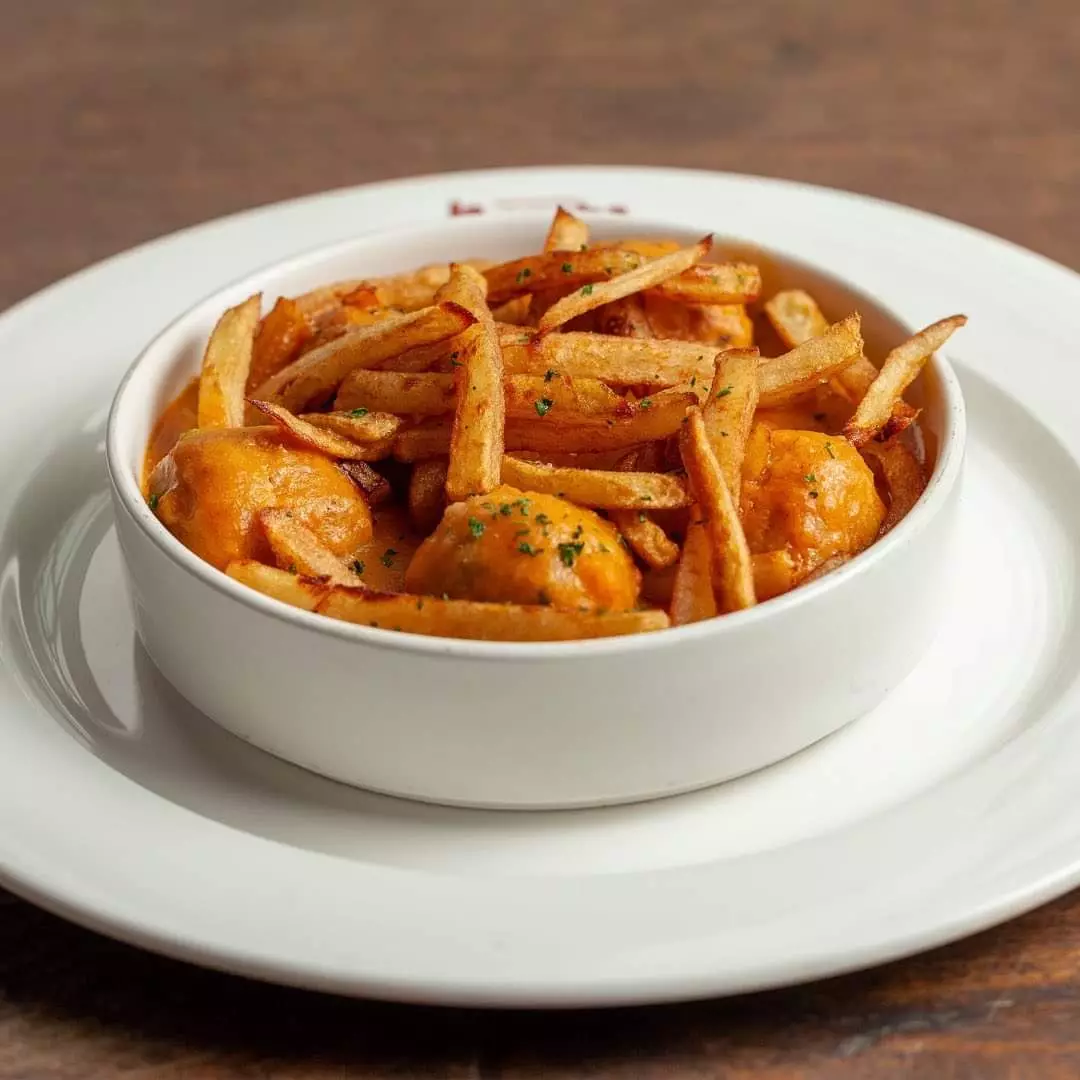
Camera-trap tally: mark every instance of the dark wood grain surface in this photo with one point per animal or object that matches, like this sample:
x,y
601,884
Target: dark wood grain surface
x,y
123,119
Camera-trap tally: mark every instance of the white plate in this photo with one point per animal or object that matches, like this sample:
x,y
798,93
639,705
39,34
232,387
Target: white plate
x,y
948,809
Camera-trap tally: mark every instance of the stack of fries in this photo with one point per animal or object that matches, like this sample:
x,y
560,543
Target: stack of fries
x,y
545,373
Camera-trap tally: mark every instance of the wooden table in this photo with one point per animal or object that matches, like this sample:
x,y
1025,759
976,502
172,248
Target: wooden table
x,y
123,120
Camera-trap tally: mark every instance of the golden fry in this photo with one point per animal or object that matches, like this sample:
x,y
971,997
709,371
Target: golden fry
x,y
476,439
424,394
646,539
357,425
427,494
651,274
810,364
796,317
479,620
226,364
281,335
279,584
317,374
729,411
556,270
714,283
904,476
901,368
731,556
692,596
323,439
567,233
297,549
375,486
616,490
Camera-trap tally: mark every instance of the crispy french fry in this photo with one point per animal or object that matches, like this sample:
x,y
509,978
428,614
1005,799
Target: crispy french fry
x,y
624,318
692,596
375,486
484,621
567,233
226,364
297,549
731,556
556,396
729,411
714,283
592,296
796,317
427,494
901,368
810,364
646,247
424,394
646,539
476,440
357,425
317,374
774,573
618,361
283,332
556,270
323,439
904,476
616,490
279,584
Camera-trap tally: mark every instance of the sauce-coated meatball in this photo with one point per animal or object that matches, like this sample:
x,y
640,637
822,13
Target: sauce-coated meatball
x,y
809,493
521,547
219,479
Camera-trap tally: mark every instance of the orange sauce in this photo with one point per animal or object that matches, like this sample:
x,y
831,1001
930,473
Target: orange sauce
x,y
179,416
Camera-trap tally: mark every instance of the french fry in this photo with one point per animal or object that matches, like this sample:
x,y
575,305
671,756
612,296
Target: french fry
x,y
796,317
901,368
476,440
323,439
810,364
692,596
904,477
618,361
281,334
624,318
357,425
567,233
226,364
774,574
318,373
424,394
572,434
593,487
714,283
651,274
646,539
279,584
729,412
556,396
297,549
731,556
375,486
556,270
483,621
427,494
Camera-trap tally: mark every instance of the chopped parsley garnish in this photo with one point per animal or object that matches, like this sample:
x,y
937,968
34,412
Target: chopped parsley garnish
x,y
292,568
693,380
387,557
542,597
578,531
420,604
357,566
584,247
569,552
476,527
549,374
455,363
567,268
725,391
523,506
543,519
504,509
154,500
527,549
523,274
724,434
542,405
810,478
586,290
829,450
646,403
642,516
358,412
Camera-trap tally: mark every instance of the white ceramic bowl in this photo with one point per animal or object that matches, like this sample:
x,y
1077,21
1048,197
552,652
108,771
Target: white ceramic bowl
x,y
516,724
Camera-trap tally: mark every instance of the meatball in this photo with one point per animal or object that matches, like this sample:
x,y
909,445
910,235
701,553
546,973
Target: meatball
x,y
521,547
217,480
808,493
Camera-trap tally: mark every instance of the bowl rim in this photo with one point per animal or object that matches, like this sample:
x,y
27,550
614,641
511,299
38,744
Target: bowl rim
x,y
159,351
